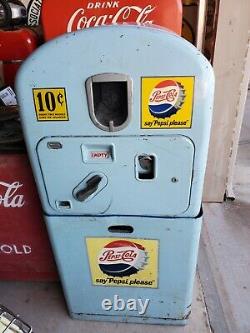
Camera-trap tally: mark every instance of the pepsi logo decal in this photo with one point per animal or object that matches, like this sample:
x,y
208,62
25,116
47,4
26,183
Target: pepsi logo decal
x,y
122,258
166,99
123,262
167,102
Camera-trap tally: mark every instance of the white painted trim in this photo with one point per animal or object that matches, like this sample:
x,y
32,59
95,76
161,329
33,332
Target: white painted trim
x,y
229,65
201,24
239,118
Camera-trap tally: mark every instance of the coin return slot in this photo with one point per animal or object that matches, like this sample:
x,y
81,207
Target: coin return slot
x,y
64,204
121,229
145,166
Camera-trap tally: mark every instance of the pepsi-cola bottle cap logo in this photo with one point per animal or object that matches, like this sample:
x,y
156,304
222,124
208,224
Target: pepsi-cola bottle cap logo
x,y
122,258
166,99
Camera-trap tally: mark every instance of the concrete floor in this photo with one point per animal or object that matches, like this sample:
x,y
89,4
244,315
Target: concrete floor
x,y
224,263
42,305
222,285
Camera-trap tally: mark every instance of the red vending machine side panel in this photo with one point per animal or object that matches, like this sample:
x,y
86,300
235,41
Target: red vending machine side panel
x,y
61,16
25,252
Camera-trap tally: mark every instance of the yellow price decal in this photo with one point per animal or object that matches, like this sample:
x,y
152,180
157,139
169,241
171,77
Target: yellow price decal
x,y
50,104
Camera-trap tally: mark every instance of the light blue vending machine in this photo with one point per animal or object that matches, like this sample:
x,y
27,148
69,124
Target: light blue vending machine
x,y
117,121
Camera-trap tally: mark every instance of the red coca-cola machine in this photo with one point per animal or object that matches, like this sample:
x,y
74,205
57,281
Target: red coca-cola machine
x,y
61,16
25,252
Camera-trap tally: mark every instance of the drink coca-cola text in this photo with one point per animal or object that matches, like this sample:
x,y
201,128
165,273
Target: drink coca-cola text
x,y
61,16
106,4
80,19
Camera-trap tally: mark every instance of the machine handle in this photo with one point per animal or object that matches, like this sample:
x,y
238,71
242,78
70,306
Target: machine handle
x,y
91,187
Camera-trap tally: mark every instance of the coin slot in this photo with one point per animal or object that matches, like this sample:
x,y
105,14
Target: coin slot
x,y
145,167
121,229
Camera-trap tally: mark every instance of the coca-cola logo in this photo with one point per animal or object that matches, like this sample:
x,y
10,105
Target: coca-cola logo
x,y
81,20
10,196
80,14
122,258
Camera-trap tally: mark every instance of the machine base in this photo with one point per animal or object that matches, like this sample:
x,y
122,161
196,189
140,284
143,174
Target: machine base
x,y
130,319
127,268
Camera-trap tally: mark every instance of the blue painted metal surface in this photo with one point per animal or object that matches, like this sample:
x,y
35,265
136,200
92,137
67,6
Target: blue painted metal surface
x,y
170,303
84,193
123,194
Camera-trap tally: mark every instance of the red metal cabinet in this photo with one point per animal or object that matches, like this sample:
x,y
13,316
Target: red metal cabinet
x,y
25,252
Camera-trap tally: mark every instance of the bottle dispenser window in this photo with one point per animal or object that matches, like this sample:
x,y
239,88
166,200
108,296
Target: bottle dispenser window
x,y
109,99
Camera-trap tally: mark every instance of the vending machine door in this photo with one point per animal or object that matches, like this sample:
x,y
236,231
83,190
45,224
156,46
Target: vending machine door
x,y
143,175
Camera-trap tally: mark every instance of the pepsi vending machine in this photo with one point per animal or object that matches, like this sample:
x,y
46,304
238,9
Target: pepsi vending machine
x,y
117,133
